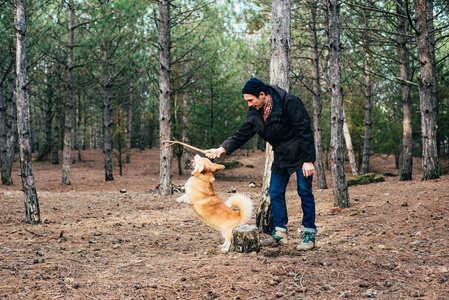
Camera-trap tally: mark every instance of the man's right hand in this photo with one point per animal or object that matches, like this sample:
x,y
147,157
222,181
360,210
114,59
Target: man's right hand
x,y
215,153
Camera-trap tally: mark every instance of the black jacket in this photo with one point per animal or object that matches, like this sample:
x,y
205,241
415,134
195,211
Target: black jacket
x,y
287,129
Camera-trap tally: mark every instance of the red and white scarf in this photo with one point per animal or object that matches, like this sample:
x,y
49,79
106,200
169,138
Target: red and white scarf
x,y
268,107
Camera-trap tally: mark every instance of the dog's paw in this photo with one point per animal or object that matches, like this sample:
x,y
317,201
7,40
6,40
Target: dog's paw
x,y
225,247
183,199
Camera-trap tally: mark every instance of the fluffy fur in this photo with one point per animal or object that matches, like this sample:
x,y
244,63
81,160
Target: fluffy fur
x,y
200,194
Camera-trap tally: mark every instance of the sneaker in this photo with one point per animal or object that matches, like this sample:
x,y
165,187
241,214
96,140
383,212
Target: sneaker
x,y
308,241
277,238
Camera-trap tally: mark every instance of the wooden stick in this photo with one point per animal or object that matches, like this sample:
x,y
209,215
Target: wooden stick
x,y
185,145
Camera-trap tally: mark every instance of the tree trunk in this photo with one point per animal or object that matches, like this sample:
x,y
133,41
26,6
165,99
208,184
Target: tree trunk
x,y
431,29
130,122
11,126
98,133
339,185
406,160
83,145
142,124
31,201
119,139
37,130
46,149
55,151
212,117
66,153
185,116
348,140
316,96
107,114
426,87
367,105
264,216
279,75
77,130
178,150
166,154
152,127
75,122
185,137
2,130
32,117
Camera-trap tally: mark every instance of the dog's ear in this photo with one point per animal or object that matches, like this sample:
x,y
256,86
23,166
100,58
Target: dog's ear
x,y
217,168
201,169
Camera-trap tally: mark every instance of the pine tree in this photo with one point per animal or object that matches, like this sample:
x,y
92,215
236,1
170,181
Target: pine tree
x,y
31,202
339,185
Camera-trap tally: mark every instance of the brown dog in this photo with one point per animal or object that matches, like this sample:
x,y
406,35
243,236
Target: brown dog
x,y
209,207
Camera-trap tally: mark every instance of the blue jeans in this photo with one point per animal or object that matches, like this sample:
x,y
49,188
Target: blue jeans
x,y
278,186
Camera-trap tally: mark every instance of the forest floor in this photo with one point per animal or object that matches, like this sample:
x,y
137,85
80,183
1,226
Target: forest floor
x,y
97,242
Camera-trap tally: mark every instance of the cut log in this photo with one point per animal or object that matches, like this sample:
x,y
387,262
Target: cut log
x,y
245,238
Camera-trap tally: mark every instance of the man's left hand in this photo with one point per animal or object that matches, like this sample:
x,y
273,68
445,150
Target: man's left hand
x,y
308,169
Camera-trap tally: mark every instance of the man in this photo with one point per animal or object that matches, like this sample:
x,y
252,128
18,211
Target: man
x,y
281,119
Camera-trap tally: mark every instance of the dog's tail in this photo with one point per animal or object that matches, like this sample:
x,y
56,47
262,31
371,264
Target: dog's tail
x,y
244,204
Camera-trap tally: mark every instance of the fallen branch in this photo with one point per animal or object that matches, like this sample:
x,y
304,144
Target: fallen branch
x,y
170,143
34,233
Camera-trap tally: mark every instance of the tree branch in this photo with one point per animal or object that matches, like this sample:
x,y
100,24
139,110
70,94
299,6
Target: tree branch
x,y
409,17
406,81
441,60
377,30
374,9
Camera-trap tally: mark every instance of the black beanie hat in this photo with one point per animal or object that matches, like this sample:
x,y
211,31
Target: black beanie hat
x,y
254,87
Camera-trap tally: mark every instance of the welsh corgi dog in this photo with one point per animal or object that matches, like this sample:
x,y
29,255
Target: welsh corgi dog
x,y
200,194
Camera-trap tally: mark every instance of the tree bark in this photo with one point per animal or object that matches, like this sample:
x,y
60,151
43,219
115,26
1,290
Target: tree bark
x,y
78,126
348,140
84,139
426,87
31,201
166,154
11,129
339,185
367,103
316,96
142,124
98,132
46,149
66,153
279,75
264,216
55,151
76,112
32,117
406,160
245,239
37,130
185,136
2,129
107,114
130,122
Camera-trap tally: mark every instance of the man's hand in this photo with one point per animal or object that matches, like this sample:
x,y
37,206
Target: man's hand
x,y
215,153
308,169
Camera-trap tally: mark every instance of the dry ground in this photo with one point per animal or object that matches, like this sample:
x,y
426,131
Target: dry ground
x,y
98,243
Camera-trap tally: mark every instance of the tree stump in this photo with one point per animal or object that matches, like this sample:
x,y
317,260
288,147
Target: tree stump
x,y
245,238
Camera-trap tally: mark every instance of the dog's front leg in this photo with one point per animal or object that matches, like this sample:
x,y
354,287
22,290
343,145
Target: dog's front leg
x,y
183,198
